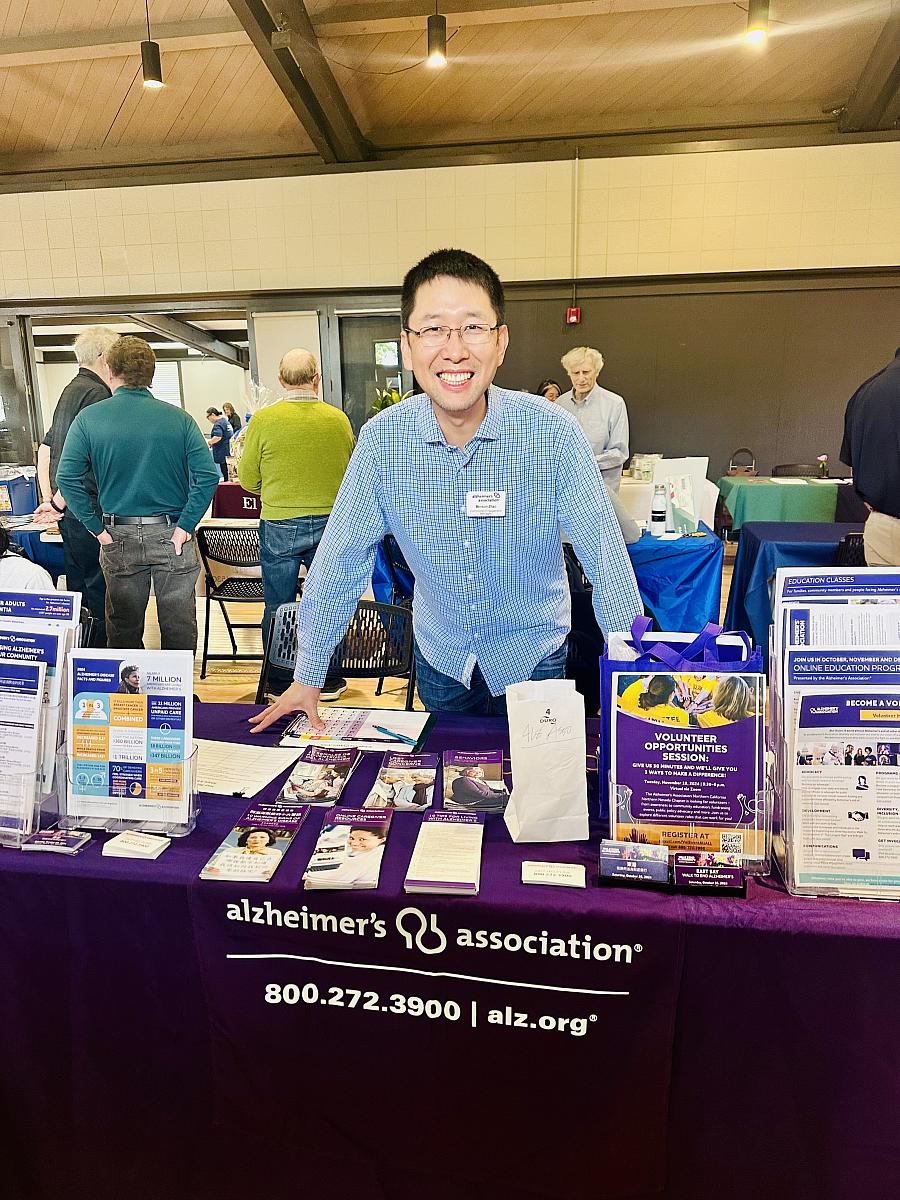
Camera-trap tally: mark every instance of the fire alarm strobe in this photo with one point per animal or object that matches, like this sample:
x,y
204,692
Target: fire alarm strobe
x,y
573,316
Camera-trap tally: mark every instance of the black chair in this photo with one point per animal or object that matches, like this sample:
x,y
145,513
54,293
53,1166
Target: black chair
x,y
231,546
400,575
851,551
378,643
795,469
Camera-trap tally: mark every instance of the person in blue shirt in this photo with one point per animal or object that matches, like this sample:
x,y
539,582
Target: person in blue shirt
x,y
219,440
476,483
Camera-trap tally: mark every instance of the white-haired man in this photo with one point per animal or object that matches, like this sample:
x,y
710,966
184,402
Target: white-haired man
x,y
600,413
80,548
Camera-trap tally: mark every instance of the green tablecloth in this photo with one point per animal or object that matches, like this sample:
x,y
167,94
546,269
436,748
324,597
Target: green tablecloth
x,y
758,498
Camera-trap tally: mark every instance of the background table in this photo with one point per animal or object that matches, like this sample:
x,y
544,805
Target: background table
x,y
679,581
47,554
763,499
130,1033
230,500
763,547
636,496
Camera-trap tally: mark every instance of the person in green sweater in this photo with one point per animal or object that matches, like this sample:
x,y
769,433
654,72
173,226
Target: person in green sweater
x,y
155,480
295,454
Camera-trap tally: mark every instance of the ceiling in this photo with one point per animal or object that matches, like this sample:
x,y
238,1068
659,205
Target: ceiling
x,y
345,86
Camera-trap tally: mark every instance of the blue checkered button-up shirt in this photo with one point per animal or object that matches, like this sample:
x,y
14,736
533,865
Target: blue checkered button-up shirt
x,y
489,590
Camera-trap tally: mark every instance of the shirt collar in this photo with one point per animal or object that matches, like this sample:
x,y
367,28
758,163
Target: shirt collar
x,y
488,431
307,396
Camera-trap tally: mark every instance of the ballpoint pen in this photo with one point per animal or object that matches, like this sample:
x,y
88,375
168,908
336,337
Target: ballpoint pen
x,y
400,737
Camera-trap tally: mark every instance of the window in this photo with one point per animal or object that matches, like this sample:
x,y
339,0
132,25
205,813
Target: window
x,y
166,383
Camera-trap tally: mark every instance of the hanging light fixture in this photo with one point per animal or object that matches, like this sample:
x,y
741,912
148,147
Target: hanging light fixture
x,y
437,40
150,60
757,22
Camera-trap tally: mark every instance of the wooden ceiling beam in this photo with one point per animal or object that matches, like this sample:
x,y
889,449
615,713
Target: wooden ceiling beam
x,y
79,45
874,103
334,138
404,16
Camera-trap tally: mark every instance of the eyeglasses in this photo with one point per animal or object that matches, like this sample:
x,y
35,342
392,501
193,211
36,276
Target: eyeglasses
x,y
439,335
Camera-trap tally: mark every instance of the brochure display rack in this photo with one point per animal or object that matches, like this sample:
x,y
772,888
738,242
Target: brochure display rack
x,y
86,801
834,730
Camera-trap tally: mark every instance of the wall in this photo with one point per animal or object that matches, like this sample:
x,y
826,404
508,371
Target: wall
x,y
274,333
828,206
204,383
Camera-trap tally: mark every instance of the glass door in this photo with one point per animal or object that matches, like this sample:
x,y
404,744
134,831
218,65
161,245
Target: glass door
x,y
370,362
20,426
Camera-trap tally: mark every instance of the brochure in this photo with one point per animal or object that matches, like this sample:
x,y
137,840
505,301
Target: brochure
x,y
58,841
21,709
253,850
48,642
63,607
130,718
473,781
349,850
447,854
845,793
405,782
365,728
320,775
687,761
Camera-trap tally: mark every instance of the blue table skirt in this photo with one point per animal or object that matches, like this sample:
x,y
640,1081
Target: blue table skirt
x,y
680,582
764,546
48,555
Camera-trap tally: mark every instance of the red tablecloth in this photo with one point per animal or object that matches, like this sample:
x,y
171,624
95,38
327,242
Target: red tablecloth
x,y
232,501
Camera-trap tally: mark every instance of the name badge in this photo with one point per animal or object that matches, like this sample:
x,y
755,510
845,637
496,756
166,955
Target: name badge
x,y
485,504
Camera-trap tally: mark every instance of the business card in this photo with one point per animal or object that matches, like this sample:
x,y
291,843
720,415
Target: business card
x,y
554,874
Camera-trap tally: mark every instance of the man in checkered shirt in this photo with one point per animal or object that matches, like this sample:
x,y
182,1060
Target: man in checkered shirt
x,y
475,482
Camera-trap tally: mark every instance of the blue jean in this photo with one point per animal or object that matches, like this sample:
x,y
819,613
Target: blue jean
x,y
283,546
442,693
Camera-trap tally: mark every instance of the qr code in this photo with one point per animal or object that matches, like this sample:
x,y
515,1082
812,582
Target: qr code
x,y
731,843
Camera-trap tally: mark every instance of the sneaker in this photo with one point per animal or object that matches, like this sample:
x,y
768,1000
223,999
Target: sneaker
x,y
332,689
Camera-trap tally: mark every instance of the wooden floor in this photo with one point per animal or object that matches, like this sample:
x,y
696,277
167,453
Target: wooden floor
x,y
235,682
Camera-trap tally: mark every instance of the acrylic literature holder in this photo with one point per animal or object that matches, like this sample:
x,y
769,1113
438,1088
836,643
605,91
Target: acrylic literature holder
x,y
755,830
80,808
23,794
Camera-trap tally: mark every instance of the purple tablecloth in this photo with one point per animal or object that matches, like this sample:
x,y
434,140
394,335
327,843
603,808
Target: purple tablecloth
x,y
758,1036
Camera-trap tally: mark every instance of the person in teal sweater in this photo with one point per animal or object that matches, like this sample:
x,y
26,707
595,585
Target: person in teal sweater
x,y
295,454
155,480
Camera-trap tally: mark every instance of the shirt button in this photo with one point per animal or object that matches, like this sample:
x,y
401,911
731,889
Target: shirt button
x,y
473,607
462,508
470,576
465,545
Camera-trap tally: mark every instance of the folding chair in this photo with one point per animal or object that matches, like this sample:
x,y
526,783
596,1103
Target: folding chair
x,y
786,470
232,546
851,551
378,643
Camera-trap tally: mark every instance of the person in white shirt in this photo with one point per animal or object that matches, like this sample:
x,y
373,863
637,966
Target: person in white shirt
x,y
361,866
600,413
20,574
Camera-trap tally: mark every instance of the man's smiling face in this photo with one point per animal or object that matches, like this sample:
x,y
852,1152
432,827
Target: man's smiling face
x,y
454,376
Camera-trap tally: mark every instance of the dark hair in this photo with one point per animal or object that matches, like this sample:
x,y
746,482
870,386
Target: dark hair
x,y
209,411
129,670
452,264
548,383
132,360
659,691
381,834
242,840
4,541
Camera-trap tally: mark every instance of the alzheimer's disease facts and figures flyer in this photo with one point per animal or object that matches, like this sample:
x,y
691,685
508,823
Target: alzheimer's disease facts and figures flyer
x,y
130,726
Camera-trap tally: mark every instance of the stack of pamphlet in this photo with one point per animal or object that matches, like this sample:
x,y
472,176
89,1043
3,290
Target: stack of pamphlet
x,y
320,775
447,854
133,844
253,850
349,850
473,781
130,716
42,627
405,782
835,729
58,841
21,713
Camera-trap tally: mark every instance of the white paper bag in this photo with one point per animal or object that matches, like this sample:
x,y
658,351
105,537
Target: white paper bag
x,y
547,747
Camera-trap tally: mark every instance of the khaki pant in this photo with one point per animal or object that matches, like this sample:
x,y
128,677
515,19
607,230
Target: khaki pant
x,y
882,540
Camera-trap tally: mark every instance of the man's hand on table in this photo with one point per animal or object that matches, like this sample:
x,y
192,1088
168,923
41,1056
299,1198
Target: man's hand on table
x,y
297,698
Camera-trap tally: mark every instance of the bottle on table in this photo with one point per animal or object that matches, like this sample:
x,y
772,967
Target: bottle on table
x,y
658,511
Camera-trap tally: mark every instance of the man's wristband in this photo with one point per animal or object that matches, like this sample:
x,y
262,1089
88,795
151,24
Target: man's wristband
x,y
56,507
